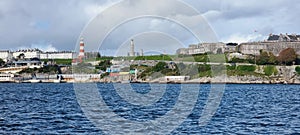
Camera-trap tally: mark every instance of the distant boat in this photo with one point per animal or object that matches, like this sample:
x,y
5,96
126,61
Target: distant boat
x,y
125,82
34,81
56,81
59,78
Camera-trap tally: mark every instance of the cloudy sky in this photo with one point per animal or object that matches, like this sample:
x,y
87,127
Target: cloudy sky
x,y
57,25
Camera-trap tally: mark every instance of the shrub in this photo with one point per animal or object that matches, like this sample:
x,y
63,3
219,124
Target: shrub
x,y
103,65
266,58
201,58
159,66
154,57
246,68
298,70
237,60
270,70
231,67
2,62
204,68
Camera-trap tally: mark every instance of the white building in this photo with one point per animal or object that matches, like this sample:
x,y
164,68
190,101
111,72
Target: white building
x,y
36,53
57,55
29,53
30,63
5,55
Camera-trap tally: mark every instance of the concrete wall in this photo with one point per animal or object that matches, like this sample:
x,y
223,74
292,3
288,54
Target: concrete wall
x,y
203,48
274,47
57,55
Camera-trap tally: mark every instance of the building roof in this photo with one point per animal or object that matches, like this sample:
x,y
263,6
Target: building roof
x,y
232,44
293,37
29,50
284,37
273,38
4,51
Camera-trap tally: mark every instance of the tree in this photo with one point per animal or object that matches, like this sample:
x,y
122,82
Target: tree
x,y
2,62
266,58
85,68
52,69
272,58
98,55
21,56
181,66
103,65
287,56
159,66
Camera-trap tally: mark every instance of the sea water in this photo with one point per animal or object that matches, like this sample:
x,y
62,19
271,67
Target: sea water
x,y
244,109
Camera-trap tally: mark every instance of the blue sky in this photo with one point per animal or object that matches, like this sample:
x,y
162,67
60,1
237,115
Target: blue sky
x,y
57,25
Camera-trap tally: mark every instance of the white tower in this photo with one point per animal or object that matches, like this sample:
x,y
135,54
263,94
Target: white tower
x,y
142,52
81,49
132,53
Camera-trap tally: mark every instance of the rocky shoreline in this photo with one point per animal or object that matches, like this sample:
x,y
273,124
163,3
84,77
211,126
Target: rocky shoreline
x,y
94,78
160,82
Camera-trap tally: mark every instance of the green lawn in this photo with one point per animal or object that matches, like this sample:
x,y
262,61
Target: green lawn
x,y
60,61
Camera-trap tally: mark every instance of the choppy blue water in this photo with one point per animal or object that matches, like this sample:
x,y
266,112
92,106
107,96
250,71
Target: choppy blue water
x,y
245,109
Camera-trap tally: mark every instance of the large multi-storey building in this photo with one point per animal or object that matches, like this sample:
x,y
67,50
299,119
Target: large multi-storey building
x,y
28,53
36,53
205,48
254,48
274,44
57,55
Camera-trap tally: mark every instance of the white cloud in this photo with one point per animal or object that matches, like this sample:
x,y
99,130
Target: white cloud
x,y
212,14
43,47
241,38
93,9
23,23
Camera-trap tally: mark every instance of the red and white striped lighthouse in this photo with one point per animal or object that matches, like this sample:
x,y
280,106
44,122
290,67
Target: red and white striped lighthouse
x,y
81,49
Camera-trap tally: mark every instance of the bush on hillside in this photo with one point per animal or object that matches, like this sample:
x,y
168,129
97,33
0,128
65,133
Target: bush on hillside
x,y
270,70
246,68
298,70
